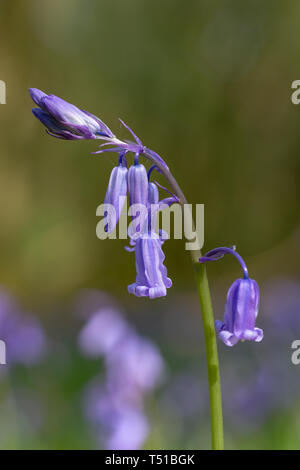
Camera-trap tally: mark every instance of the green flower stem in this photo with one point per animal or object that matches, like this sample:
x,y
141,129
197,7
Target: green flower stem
x,y
212,359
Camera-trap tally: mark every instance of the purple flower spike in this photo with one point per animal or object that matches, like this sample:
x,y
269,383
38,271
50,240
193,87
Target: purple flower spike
x,y
116,193
242,304
138,197
66,121
153,194
151,280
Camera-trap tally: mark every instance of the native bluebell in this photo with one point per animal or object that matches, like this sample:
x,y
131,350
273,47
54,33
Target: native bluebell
x,y
66,121
151,280
116,192
242,304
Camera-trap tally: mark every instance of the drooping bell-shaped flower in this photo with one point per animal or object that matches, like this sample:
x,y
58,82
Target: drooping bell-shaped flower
x,y
241,307
138,198
151,279
116,193
66,121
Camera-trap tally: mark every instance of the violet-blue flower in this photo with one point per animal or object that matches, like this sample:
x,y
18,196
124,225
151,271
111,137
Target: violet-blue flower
x,y
23,335
152,280
138,196
242,304
66,121
103,332
116,192
138,184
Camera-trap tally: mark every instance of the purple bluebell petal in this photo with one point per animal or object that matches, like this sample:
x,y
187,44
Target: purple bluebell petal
x,y
242,304
80,130
153,206
116,192
47,120
153,194
105,130
151,279
138,185
226,336
67,113
240,314
70,120
138,195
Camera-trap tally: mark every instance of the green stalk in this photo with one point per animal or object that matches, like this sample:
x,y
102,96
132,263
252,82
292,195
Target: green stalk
x,y
212,359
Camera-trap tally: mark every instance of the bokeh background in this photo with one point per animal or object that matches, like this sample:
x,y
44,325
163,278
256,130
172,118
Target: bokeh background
x,y
207,84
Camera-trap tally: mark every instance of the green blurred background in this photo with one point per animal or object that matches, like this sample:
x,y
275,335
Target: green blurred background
x,y
206,84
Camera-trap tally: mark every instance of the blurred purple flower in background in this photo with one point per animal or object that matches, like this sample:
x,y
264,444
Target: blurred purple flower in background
x,y
102,332
134,368
119,424
66,121
22,333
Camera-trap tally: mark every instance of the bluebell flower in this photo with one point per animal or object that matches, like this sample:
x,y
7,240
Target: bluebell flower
x,y
138,197
242,304
66,121
138,184
151,280
116,192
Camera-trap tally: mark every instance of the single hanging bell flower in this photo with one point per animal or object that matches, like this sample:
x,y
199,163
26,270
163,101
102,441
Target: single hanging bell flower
x,y
241,307
151,279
